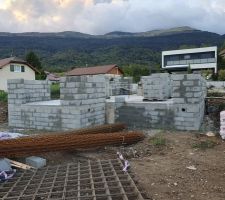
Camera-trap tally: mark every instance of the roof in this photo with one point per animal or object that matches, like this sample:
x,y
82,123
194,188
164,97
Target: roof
x,y
193,50
7,61
52,77
92,70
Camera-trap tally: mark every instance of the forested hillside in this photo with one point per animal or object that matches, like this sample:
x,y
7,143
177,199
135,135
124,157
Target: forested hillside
x,y
62,51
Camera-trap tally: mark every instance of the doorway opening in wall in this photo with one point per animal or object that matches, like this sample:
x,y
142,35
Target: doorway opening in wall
x,y
55,91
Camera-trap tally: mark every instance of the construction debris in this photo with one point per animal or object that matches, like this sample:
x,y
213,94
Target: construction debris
x,y
19,165
210,134
100,180
59,142
192,167
6,171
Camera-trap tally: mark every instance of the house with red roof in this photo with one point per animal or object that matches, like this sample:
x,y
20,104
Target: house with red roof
x,y
105,69
15,68
52,77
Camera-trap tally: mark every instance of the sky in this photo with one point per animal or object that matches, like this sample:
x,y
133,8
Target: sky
x,y
103,16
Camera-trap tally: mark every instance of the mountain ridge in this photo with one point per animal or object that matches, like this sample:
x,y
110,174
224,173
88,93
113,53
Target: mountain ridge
x,y
65,50
113,34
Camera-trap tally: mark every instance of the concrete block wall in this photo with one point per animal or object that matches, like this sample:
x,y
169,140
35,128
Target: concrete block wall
x,y
146,115
88,93
37,90
22,91
157,86
82,90
184,111
82,104
188,93
118,85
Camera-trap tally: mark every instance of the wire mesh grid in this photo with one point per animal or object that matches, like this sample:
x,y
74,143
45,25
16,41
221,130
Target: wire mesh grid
x,y
88,180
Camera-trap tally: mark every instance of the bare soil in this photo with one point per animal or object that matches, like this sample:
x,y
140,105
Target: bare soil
x,y
161,168
161,161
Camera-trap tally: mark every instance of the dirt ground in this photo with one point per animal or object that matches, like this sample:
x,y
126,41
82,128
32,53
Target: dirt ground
x,y
160,164
167,165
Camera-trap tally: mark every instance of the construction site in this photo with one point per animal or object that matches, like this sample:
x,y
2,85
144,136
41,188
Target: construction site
x,y
105,140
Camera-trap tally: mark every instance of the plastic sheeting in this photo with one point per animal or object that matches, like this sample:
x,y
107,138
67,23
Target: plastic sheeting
x,y
8,135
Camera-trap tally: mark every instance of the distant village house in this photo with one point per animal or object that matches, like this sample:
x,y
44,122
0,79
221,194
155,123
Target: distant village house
x,y
106,69
53,78
15,68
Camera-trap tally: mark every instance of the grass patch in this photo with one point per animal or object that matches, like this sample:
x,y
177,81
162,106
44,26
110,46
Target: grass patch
x,y
215,94
203,145
55,91
3,96
158,141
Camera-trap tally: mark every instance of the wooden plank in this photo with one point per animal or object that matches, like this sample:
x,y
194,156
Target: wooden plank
x,y
20,165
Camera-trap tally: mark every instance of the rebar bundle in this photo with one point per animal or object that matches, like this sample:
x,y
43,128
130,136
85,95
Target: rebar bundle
x,y
106,128
58,142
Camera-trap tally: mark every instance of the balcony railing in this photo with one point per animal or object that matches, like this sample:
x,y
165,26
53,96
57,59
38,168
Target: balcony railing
x,y
194,61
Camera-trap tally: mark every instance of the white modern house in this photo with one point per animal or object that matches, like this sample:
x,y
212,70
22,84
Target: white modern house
x,y
15,68
197,59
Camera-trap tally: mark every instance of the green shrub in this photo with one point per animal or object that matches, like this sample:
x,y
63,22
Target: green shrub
x,y
221,75
215,94
3,96
55,91
158,141
203,145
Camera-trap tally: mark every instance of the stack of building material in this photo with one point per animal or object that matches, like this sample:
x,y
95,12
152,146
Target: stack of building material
x,y
156,86
67,141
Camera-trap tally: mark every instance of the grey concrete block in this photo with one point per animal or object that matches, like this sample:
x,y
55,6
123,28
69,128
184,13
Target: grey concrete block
x,y
36,162
5,165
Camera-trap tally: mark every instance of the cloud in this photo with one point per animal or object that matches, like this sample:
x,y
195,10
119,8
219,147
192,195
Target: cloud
x,y
101,16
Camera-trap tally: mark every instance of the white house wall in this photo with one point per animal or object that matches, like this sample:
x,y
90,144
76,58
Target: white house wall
x,y
6,74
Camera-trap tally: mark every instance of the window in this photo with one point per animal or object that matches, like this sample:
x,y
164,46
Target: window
x,y
186,57
22,68
17,68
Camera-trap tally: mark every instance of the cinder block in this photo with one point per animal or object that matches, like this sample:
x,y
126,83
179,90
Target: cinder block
x,y
188,83
36,162
5,165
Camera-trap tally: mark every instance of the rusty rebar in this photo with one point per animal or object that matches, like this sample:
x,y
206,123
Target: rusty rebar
x,y
47,143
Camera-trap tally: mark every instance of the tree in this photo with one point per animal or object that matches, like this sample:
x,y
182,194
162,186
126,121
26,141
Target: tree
x,y
221,75
34,60
136,71
220,62
189,71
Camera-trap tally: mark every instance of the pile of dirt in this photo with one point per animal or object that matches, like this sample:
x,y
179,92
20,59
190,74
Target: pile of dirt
x,y
3,112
